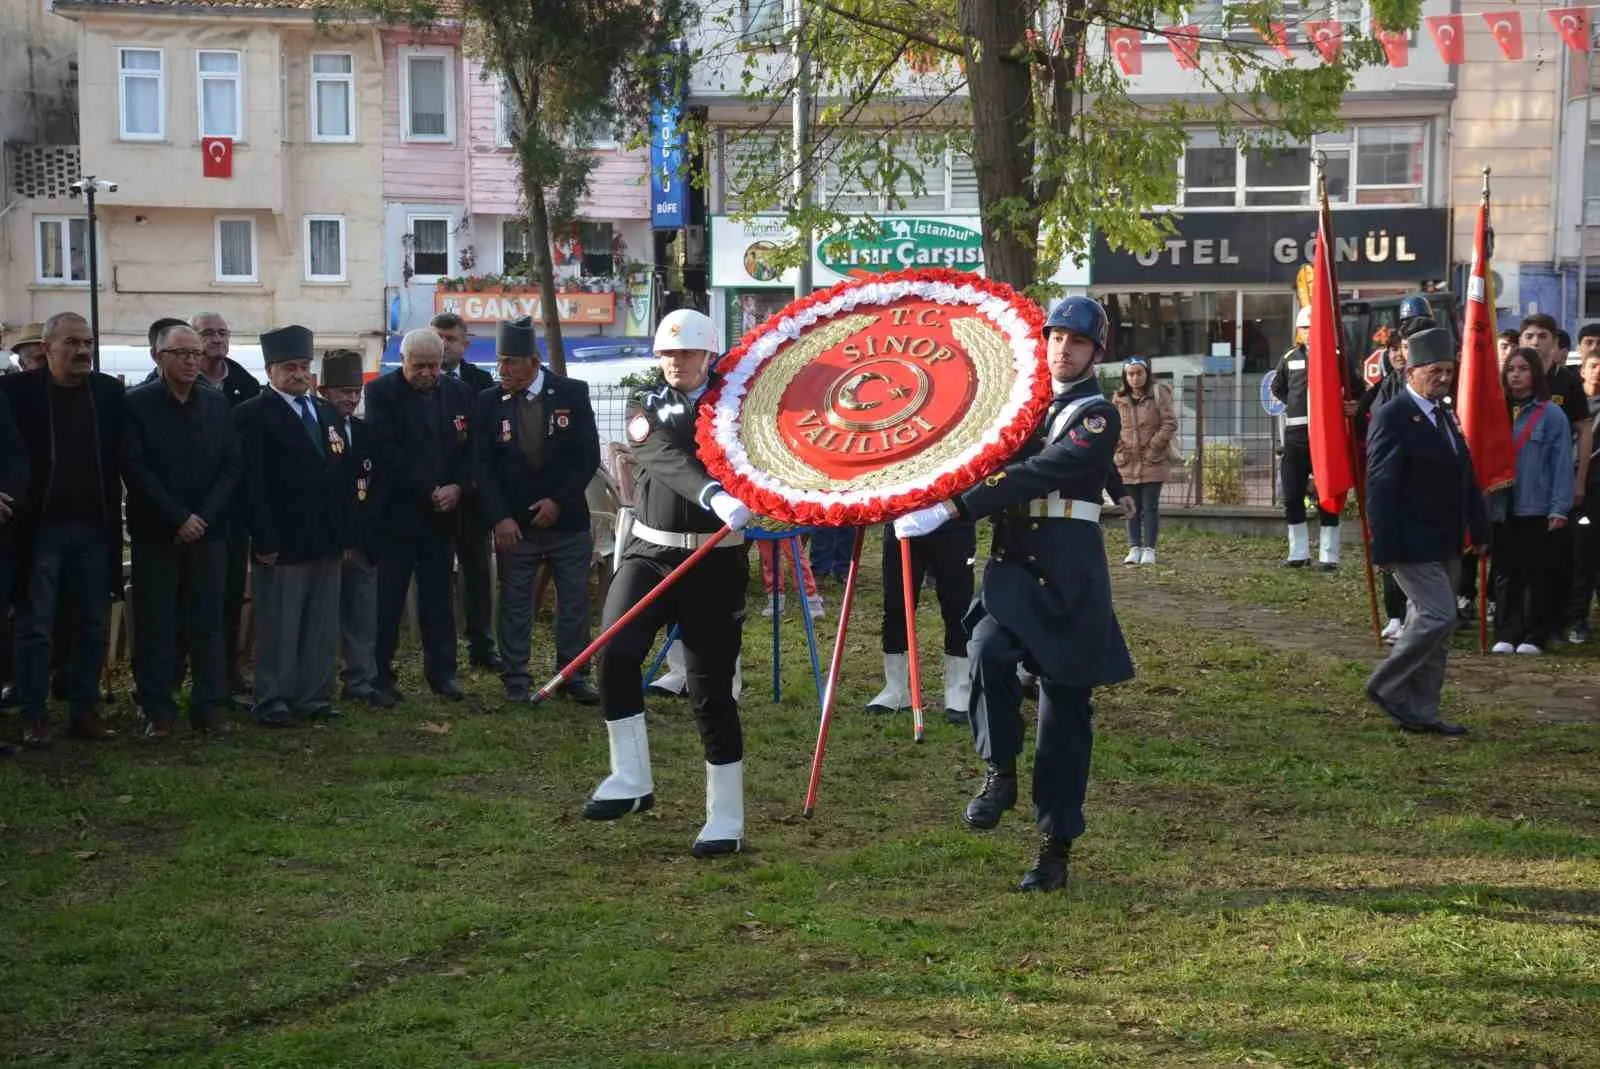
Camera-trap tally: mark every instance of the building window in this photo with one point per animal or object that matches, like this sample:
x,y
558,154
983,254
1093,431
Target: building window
x,y
516,256
1210,171
61,250
221,95
428,96
963,183
1277,177
325,260
333,96
236,250
508,125
430,247
141,94
598,132
1366,165
761,21
1591,178
597,239
1390,164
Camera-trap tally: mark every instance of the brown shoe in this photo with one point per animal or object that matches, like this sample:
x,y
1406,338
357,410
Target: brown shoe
x,y
36,734
212,721
90,728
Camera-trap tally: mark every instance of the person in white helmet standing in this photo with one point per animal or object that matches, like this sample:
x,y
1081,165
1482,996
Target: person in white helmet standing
x,y
677,508
1289,386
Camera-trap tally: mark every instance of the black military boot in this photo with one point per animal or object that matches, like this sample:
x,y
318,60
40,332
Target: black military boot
x,y
999,794
1049,872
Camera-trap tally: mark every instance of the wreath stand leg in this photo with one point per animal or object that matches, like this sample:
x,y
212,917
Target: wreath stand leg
x,y
805,615
831,694
909,593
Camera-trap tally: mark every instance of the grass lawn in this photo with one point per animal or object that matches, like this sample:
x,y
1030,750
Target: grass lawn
x,y
1272,876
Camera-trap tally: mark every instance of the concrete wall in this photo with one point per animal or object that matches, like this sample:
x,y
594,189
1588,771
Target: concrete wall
x,y
38,75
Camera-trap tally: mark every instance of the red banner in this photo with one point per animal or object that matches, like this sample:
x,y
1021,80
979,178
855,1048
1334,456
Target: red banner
x,y
1485,424
1332,466
1396,48
1328,36
1127,46
1506,26
1185,44
1277,35
216,157
1449,36
1572,23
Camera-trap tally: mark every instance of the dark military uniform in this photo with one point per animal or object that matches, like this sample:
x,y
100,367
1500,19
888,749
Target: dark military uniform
x,y
1045,602
672,518
472,543
1289,386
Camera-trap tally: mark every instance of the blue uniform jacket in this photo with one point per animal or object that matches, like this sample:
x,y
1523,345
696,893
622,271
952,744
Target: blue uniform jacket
x,y
1047,581
1422,498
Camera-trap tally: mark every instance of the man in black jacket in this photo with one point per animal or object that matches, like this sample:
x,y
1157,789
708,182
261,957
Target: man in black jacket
x,y
341,383
422,419
472,541
297,490
535,448
1423,504
181,461
70,418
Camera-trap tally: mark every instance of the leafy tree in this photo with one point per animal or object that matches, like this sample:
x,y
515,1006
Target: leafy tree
x,y
1029,89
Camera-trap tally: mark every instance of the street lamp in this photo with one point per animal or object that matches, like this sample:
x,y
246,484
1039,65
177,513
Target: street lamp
x,y
87,187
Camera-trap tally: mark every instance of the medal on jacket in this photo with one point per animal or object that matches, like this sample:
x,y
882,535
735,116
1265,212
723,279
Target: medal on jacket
x,y
335,442
461,428
505,430
563,418
361,488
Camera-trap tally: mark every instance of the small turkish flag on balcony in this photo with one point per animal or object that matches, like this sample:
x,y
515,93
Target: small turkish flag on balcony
x,y
217,157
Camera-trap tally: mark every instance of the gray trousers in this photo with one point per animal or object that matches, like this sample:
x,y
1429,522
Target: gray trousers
x,y
177,604
297,634
569,554
1412,676
358,622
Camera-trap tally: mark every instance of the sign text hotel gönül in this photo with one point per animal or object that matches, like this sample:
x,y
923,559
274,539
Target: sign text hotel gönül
x,y
491,307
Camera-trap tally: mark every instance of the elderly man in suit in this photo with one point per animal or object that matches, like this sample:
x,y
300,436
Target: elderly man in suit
x,y
535,449
297,491
421,418
1423,504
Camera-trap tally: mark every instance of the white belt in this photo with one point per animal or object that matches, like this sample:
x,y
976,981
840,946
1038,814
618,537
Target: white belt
x,y
1297,365
1054,507
678,540
1297,421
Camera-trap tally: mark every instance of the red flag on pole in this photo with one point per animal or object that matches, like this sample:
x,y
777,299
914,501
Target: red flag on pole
x,y
1185,44
1331,458
1506,28
1127,47
1396,49
216,154
1481,404
1449,36
1572,23
1328,36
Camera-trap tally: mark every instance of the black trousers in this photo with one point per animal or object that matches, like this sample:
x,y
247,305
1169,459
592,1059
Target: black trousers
x,y
1065,739
1523,580
236,567
1586,557
947,553
1394,599
1295,476
428,560
472,553
177,603
708,606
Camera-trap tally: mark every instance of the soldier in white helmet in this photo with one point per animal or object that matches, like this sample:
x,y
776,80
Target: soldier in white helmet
x,y
1289,386
677,508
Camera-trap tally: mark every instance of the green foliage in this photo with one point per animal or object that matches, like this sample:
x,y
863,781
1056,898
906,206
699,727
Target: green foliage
x,y
1223,474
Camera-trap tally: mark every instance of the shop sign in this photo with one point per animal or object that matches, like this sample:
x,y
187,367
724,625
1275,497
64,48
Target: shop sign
x,y
1370,245
669,209
494,305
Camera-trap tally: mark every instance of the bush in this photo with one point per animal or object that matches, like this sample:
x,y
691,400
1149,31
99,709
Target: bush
x,y
1224,474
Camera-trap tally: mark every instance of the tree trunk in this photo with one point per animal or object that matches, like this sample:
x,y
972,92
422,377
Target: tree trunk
x,y
545,271
999,86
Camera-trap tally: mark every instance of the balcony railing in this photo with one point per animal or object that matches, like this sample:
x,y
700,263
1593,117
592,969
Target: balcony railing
x,y
42,172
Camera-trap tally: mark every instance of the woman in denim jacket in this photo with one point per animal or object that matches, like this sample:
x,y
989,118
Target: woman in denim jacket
x,y
1525,514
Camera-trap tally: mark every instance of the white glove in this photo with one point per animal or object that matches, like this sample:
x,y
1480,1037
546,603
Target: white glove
x,y
730,510
922,521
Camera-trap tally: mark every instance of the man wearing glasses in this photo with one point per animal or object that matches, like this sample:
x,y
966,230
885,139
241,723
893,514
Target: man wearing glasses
x,y
181,463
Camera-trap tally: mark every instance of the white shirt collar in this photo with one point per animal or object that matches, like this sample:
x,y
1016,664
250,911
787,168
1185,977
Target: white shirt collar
x,y
1423,403
536,387
1062,388
294,402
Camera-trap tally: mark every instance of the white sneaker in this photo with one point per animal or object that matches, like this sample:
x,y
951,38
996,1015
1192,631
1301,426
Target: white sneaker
x,y
815,604
1530,649
1149,555
766,608
1135,555
1391,630
1502,647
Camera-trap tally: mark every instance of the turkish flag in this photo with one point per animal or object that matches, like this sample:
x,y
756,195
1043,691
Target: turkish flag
x,y
1506,26
216,154
1328,36
1185,44
1480,403
1276,34
1396,49
1449,37
1572,23
1332,459
1126,46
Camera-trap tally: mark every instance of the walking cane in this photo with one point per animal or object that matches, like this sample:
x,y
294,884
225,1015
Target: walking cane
x,y
832,692
910,596
563,677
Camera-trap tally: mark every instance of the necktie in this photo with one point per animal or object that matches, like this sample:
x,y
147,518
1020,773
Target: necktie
x,y
1441,422
308,416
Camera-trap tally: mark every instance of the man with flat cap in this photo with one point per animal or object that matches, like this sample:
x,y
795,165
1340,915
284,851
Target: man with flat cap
x,y
1423,505
535,448
28,347
298,489
340,383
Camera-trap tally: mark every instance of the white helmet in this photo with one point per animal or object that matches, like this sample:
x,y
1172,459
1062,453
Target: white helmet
x,y
1303,320
687,329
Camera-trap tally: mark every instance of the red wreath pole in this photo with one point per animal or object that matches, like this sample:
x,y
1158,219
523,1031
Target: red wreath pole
x,y
829,695
909,594
563,677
